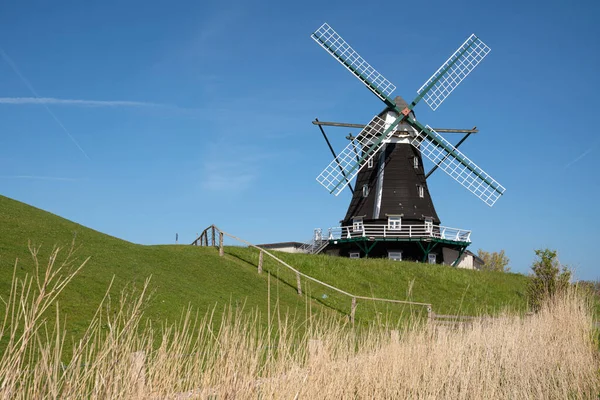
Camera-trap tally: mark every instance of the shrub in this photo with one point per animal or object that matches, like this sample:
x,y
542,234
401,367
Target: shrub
x,y
494,261
549,278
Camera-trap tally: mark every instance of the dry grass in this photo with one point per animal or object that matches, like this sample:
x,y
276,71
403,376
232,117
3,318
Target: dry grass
x,y
551,355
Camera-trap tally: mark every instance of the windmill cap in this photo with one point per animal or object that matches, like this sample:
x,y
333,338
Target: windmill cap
x,y
400,102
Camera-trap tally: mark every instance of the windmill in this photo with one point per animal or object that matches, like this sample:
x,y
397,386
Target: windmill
x,y
391,212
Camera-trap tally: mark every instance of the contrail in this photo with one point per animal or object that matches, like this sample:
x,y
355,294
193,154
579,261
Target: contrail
x,y
77,102
32,90
43,178
585,153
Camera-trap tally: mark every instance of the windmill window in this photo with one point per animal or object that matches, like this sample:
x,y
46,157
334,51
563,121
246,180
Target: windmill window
x,y
370,163
394,223
357,224
355,255
421,191
395,255
365,190
428,225
416,162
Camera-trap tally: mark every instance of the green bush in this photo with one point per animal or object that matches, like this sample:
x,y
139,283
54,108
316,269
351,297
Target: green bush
x,y
549,278
494,261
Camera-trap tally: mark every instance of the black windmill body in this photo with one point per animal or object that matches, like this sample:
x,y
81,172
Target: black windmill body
x,y
391,213
393,184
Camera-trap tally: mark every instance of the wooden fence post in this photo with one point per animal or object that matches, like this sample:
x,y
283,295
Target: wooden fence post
x,y
260,262
298,284
353,309
213,235
221,251
430,314
138,374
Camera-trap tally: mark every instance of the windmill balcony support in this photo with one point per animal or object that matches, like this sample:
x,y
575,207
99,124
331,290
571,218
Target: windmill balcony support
x,y
403,232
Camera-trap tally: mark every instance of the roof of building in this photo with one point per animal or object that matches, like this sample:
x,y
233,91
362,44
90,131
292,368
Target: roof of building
x,y
280,244
475,257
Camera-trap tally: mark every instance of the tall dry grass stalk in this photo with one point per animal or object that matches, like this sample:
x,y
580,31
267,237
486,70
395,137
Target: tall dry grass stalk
x,y
550,355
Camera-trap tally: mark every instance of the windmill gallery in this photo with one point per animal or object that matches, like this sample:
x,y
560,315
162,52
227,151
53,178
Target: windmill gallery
x,y
391,213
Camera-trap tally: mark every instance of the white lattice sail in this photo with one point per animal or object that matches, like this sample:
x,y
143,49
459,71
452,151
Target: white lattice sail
x,y
333,43
338,174
458,166
453,71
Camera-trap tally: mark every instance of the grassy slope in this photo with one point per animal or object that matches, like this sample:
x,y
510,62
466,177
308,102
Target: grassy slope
x,y
183,275
449,290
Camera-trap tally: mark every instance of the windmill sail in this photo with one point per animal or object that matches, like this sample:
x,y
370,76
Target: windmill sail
x,y
452,72
437,149
333,43
338,174
438,87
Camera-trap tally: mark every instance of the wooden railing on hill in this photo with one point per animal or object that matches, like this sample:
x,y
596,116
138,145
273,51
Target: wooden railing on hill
x,y
202,240
216,237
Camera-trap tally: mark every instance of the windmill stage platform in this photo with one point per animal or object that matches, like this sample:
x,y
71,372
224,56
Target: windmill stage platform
x,y
421,243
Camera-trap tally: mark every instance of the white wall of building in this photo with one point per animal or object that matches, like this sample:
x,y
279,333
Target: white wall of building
x,y
467,261
285,249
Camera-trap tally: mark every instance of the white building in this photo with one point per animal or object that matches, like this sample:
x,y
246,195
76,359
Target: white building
x,y
468,260
286,247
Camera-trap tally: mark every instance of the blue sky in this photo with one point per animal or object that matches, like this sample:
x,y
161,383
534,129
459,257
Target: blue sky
x,y
143,119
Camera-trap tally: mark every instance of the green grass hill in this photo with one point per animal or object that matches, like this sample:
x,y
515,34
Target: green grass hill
x,y
187,275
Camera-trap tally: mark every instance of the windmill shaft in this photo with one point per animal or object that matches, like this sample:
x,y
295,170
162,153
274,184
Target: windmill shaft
x,y
360,126
448,155
332,177
446,130
335,156
340,124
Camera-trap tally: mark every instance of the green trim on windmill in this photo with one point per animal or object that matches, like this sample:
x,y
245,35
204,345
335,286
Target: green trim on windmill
x,y
361,77
430,246
436,80
417,125
460,253
366,249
